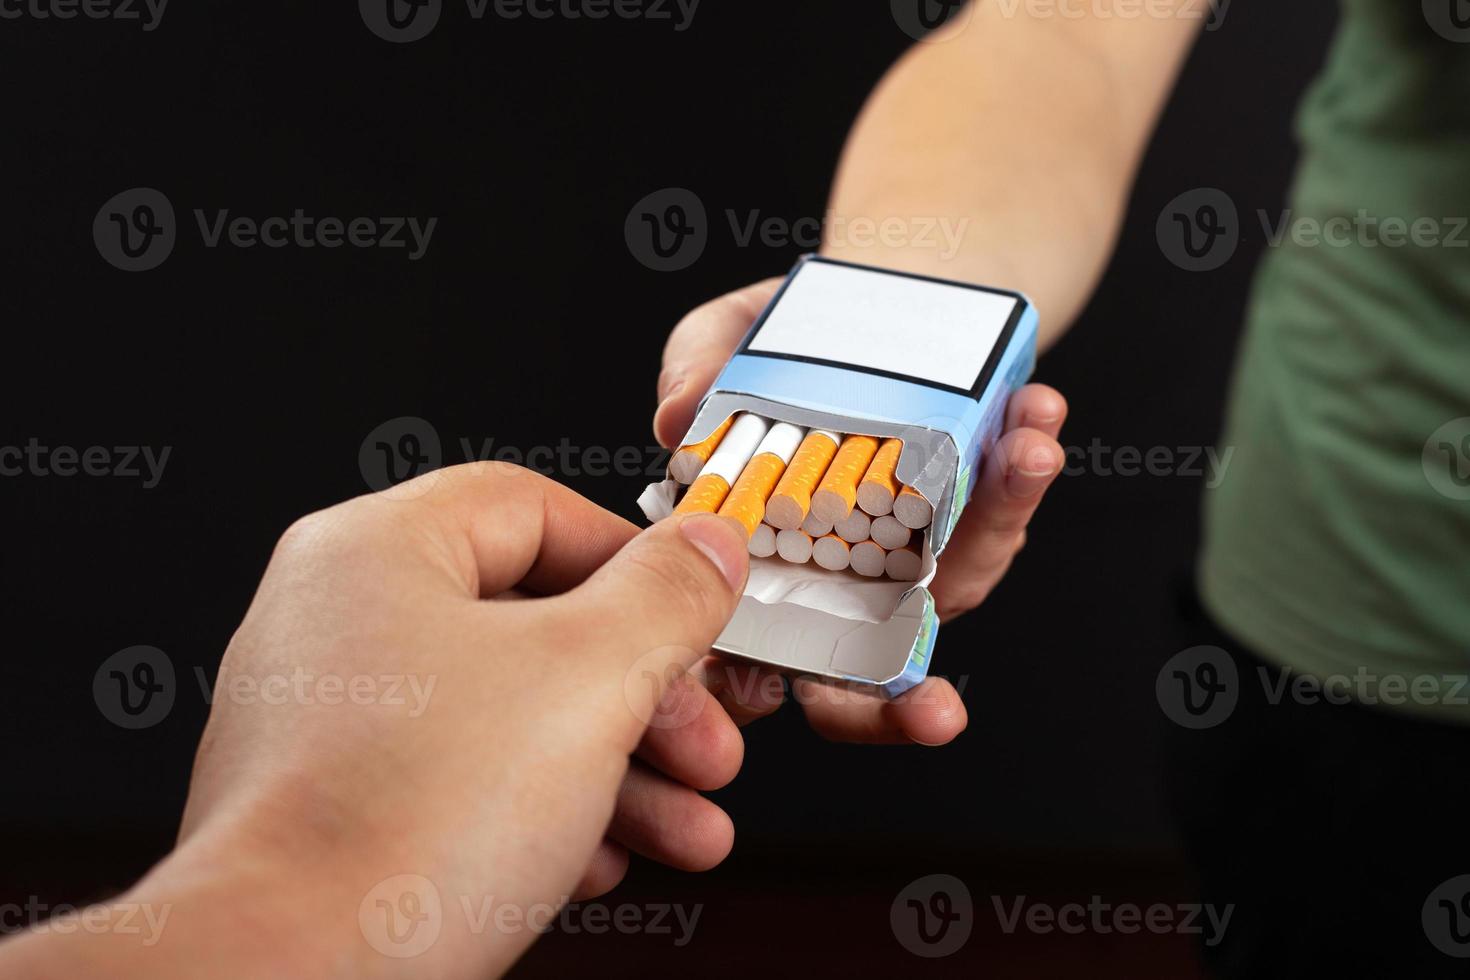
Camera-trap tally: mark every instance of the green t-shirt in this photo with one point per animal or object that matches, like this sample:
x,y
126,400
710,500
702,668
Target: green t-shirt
x,y
1338,541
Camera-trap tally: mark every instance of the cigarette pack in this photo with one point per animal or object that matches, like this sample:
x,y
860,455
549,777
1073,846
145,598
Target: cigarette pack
x,y
860,351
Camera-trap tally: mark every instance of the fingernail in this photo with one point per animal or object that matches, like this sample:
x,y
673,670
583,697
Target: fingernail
x,y
721,544
670,383
664,400
1033,421
1038,462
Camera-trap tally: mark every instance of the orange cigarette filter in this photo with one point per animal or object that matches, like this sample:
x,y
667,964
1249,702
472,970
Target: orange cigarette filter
x,y
687,461
879,485
837,494
705,496
792,499
746,502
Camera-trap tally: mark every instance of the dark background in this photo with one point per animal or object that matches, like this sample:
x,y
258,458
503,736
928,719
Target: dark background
x,y
529,322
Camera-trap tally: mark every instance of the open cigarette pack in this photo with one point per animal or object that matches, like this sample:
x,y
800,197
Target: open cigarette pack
x,y
844,437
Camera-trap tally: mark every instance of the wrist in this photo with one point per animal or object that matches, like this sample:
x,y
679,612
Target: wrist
x,y
226,914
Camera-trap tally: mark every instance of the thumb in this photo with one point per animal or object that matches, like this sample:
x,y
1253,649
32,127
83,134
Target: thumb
x,y
656,606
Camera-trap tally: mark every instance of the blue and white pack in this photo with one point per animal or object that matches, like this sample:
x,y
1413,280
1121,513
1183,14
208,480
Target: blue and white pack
x,y
861,350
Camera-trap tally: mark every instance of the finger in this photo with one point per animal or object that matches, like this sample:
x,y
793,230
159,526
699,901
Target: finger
x,y
605,871
1013,480
670,823
745,691
691,739
930,714
696,351
491,526
1039,407
654,609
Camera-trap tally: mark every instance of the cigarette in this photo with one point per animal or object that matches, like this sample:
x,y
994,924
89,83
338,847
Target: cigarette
x,y
855,527
889,533
687,461
794,545
902,564
746,503
792,501
837,494
763,541
832,553
868,559
912,510
879,485
718,475
815,526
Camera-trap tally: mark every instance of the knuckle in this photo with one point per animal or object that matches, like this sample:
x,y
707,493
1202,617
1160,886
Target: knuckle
x,y
680,586
308,533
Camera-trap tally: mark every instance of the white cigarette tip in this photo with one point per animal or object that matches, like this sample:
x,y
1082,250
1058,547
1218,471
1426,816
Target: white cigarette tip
x,y
763,541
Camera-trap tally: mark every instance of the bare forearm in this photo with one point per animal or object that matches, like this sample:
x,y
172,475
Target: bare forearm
x,y
1004,154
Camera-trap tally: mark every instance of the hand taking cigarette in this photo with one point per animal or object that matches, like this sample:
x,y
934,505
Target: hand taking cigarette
x,y
550,633
1014,477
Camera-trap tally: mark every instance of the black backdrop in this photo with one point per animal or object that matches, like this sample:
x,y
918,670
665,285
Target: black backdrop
x,y
529,322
